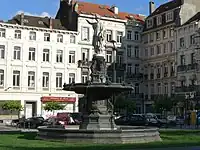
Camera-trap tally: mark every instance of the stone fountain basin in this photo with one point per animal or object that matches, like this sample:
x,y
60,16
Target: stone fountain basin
x,y
98,91
122,135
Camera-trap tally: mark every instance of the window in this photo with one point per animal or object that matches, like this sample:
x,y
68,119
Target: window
x,y
32,35
165,68
164,34
119,79
136,35
171,32
46,37
17,53
158,88
159,20
172,87
152,89
2,51
129,35
119,36
60,38
85,53
71,56
31,55
146,52
171,46
109,56
137,90
119,59
182,42
17,34
108,35
16,78
136,51
158,35
165,48
169,16
182,57
165,88
31,79
129,69
145,38
151,37
149,23
85,34
129,47
158,72
71,77
152,51
158,49
58,80
192,39
46,55
84,77
59,56
192,58
1,78
45,80
137,69
72,39
2,32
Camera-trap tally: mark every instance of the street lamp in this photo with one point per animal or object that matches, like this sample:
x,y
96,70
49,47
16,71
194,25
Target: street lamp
x,y
114,59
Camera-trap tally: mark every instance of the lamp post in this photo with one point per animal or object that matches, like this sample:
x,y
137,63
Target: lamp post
x,y
114,59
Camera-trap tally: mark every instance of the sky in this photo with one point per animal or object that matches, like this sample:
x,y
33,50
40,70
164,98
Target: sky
x,y
10,8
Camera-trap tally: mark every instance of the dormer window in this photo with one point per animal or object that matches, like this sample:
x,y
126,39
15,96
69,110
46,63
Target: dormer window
x,y
149,23
159,20
169,16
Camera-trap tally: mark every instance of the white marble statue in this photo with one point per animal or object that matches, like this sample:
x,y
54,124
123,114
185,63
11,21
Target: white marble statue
x,y
99,35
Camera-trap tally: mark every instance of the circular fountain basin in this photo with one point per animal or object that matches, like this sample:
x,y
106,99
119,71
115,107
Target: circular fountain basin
x,y
98,91
122,135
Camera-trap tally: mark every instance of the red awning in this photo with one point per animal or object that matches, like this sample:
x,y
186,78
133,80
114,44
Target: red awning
x,y
58,99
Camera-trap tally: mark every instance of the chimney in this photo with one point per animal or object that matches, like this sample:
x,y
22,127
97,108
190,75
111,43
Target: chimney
x,y
50,23
22,19
115,9
152,7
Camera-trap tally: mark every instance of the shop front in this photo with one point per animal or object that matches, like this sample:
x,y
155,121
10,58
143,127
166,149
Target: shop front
x,y
69,102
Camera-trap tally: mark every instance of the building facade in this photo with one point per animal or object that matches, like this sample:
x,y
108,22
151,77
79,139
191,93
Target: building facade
x,y
37,56
123,28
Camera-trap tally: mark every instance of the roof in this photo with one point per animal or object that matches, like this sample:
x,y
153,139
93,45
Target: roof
x,y
105,11
167,6
35,21
196,17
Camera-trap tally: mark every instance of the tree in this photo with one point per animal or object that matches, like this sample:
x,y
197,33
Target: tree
x,y
122,103
52,106
163,103
12,106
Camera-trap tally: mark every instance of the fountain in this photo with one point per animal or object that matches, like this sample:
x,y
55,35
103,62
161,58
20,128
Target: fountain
x,y
97,110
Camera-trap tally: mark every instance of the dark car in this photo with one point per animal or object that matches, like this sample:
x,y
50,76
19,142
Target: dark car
x,y
131,120
155,120
32,122
76,118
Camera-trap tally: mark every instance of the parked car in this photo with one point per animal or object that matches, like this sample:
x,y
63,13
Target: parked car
x,y
76,118
132,120
33,122
153,120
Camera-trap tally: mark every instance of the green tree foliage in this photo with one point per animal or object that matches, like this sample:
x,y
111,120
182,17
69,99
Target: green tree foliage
x,y
51,106
121,103
12,106
163,103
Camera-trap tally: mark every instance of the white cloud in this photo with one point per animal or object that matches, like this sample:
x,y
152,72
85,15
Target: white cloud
x,y
43,14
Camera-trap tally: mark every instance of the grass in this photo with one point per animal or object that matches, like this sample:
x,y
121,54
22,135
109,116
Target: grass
x,y
26,141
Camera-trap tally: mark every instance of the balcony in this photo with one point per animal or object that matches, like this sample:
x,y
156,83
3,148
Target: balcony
x,y
84,64
192,66
181,68
190,88
136,95
158,76
166,74
134,76
121,67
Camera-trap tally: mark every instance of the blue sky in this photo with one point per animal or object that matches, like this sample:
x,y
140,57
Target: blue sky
x,y
49,7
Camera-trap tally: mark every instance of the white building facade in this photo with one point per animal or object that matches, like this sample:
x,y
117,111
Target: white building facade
x,y
35,63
